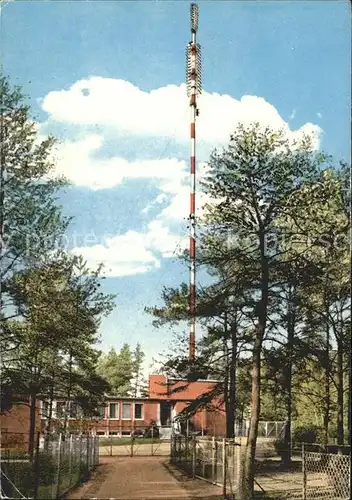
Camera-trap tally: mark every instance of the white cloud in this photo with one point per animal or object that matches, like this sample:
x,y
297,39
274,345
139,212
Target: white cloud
x,y
161,112
159,239
118,108
133,252
121,255
76,160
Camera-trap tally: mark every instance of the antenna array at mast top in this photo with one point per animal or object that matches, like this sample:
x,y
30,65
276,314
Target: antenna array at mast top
x,y
194,17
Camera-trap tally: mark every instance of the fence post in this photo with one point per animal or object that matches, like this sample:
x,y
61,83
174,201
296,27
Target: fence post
x,y
110,446
224,467
80,458
213,459
88,453
97,450
70,458
93,451
180,459
58,467
304,471
132,438
194,450
152,440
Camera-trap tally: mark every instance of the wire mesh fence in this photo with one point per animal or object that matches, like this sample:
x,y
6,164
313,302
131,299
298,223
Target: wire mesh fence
x,y
316,475
266,429
326,475
212,459
56,465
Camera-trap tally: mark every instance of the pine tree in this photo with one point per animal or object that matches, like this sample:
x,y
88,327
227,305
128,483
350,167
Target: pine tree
x,y
117,369
140,386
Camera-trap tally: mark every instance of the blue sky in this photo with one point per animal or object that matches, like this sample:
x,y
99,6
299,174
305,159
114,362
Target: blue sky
x,y
93,70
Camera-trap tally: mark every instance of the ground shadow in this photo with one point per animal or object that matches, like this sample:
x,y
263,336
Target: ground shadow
x,y
188,481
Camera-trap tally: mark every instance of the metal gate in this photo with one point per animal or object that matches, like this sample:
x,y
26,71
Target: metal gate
x,y
150,445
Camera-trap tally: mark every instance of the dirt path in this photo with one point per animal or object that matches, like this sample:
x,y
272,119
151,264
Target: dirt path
x,y
142,478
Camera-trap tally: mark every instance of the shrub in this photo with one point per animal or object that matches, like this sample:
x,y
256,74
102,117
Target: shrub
x,y
280,446
333,431
48,469
307,434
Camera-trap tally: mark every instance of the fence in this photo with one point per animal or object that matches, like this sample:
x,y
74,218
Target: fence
x,y
266,429
154,441
326,476
319,475
56,466
215,460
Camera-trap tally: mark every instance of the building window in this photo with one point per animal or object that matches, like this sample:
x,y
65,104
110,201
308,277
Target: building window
x,y
60,409
138,411
113,433
100,433
126,411
114,410
125,433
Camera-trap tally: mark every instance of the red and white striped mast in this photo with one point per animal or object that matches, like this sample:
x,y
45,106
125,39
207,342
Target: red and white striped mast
x,y
194,88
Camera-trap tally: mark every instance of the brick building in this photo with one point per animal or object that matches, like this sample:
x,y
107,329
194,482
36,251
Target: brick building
x,y
123,416
167,398
14,424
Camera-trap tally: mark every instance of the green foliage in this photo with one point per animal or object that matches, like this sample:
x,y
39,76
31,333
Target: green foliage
x,y
140,385
123,371
307,434
33,223
273,238
118,369
53,303
280,446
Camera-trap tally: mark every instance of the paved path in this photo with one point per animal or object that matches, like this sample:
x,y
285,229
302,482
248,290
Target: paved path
x,y
142,478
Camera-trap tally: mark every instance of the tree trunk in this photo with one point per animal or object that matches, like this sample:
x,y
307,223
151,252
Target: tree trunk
x,y
288,373
232,383
246,483
340,386
69,391
32,420
326,417
226,380
49,417
247,479
349,411
287,434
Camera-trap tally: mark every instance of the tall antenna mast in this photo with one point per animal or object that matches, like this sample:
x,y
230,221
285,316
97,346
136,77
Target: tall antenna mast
x,y
194,88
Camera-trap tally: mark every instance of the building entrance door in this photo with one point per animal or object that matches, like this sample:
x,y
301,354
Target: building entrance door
x,y
165,413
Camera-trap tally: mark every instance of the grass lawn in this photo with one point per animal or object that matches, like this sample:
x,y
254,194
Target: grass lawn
x,y
116,441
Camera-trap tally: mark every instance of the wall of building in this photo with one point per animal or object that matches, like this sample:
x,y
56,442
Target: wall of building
x,y
162,392
162,388
15,425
